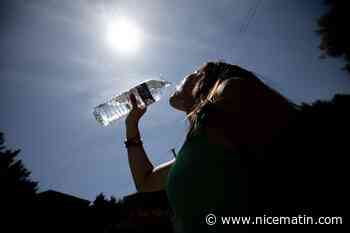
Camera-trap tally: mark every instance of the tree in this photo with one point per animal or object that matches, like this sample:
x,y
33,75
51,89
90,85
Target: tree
x,y
334,32
18,191
100,201
16,186
305,169
106,212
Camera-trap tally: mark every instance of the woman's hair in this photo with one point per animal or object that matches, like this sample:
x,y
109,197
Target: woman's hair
x,y
214,73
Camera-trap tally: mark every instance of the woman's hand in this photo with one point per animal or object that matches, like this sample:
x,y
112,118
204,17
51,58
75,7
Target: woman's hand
x,y
136,112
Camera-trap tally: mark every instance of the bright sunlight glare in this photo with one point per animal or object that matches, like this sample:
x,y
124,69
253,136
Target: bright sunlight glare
x,y
123,35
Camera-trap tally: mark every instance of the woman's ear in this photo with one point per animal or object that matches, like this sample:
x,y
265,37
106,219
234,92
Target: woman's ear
x,y
234,95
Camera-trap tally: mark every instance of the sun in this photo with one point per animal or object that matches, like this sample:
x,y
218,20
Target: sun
x,y
123,35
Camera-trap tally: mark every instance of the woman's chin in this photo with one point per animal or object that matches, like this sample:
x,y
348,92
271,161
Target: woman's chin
x,y
173,102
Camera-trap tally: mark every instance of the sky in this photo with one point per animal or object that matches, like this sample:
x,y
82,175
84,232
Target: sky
x,y
56,66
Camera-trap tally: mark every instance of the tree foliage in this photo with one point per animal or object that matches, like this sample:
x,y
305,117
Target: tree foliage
x,y
334,31
306,168
16,184
18,191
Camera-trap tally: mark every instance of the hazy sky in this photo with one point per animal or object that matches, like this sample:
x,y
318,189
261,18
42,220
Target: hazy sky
x,y
55,66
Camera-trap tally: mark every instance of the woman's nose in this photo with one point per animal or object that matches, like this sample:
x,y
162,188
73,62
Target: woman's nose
x,y
180,85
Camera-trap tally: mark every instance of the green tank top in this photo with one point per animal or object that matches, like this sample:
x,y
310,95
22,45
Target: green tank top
x,y
206,179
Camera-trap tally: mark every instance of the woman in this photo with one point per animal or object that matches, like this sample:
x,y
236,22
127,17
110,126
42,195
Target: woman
x,y
233,116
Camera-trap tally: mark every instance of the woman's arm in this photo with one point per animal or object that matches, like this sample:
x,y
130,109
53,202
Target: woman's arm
x,y
146,177
139,163
156,180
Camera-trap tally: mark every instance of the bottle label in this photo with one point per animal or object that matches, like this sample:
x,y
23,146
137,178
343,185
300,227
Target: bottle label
x,y
145,94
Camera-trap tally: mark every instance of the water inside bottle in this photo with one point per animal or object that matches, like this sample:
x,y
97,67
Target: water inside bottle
x,y
120,105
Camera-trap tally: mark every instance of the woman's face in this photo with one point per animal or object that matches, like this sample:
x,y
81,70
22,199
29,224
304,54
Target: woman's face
x,y
182,99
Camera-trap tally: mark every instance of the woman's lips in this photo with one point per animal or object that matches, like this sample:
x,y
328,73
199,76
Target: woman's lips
x,y
175,95
177,92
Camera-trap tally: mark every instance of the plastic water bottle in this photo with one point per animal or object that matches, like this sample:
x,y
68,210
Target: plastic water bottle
x,y
146,93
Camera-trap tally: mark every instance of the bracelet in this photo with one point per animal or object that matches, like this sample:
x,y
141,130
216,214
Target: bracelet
x,y
135,141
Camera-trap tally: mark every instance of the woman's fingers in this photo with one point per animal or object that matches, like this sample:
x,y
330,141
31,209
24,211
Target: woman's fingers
x,y
136,112
133,100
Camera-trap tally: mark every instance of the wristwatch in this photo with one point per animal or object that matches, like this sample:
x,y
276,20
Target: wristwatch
x,y
135,141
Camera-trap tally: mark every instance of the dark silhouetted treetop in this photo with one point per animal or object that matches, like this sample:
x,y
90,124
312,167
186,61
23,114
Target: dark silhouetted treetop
x,y
16,185
334,30
306,168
